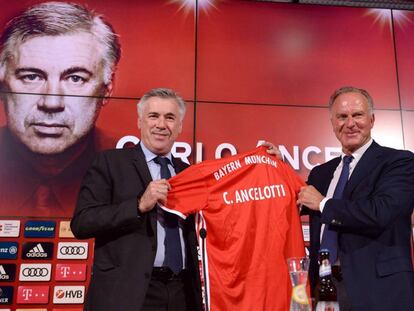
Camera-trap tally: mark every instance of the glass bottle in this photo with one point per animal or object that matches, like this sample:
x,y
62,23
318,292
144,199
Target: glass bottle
x,y
326,290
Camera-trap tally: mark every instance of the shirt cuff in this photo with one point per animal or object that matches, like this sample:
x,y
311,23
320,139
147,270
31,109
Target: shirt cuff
x,y
322,204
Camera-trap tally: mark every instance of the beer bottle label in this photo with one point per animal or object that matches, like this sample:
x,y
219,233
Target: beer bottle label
x,y
325,270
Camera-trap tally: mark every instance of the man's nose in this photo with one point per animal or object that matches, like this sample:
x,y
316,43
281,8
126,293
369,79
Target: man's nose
x,y
53,98
161,122
350,122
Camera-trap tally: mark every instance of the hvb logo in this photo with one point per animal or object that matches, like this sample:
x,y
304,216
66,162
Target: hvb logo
x,y
68,294
32,294
70,272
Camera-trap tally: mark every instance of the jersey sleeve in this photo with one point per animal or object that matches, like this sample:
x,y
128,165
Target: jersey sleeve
x,y
295,246
188,193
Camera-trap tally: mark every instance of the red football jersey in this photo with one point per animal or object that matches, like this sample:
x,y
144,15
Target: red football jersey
x,y
247,205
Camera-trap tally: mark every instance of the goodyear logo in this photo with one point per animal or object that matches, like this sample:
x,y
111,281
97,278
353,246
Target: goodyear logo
x,y
39,229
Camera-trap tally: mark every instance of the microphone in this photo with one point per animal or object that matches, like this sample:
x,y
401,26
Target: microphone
x,y
203,235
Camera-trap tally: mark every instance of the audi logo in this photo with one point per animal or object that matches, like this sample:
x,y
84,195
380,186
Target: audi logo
x,y
72,250
35,272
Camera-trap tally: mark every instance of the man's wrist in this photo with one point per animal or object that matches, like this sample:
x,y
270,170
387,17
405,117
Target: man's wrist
x,y
322,204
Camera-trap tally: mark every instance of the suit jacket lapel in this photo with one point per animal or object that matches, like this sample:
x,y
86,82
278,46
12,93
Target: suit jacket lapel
x,y
144,174
178,165
141,165
365,165
327,178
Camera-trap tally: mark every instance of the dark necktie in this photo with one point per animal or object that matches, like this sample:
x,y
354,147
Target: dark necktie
x,y
330,237
173,256
44,200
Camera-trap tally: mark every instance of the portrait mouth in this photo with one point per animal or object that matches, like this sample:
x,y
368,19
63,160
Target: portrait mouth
x,y
48,129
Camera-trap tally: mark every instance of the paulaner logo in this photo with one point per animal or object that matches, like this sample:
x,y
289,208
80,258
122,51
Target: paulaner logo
x,y
40,229
6,295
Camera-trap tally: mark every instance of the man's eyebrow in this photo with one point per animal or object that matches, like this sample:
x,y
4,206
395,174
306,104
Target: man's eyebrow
x,y
29,69
73,70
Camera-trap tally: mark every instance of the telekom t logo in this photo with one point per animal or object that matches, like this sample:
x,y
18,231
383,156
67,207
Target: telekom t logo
x,y
64,270
27,293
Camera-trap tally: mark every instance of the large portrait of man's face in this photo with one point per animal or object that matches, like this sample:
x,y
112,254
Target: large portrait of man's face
x,y
57,62
55,86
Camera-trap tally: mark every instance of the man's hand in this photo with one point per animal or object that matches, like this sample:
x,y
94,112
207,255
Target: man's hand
x,y
271,149
310,197
156,191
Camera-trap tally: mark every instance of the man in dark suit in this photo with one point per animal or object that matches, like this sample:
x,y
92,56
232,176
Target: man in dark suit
x,y
368,222
144,259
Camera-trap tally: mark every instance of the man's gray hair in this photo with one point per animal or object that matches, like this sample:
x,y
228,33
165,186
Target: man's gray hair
x,y
162,93
352,89
59,18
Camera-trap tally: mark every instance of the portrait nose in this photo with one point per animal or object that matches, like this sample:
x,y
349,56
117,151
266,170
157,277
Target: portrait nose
x,y
52,99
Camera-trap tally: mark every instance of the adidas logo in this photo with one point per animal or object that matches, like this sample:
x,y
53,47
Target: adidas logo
x,y
37,251
3,273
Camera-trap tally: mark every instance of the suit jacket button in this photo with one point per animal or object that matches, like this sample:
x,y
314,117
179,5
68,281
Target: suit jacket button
x,y
154,248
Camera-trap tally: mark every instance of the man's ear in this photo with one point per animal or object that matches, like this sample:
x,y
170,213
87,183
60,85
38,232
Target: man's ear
x,y
2,72
108,93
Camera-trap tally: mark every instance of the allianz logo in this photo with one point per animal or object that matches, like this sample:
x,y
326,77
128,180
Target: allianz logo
x,y
3,274
8,250
37,251
40,228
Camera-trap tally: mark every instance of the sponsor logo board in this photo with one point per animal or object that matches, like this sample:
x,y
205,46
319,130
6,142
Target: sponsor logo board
x,y
68,294
35,272
6,295
72,250
64,230
7,272
39,229
70,272
37,250
34,294
9,228
8,250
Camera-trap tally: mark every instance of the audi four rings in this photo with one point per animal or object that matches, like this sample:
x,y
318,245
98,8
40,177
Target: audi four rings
x,y
35,272
72,250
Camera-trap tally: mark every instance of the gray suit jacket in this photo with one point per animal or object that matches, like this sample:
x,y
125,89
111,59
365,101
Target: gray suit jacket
x,y
125,241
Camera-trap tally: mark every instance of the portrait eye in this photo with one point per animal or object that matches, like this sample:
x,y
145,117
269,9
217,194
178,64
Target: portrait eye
x,y
33,77
76,79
